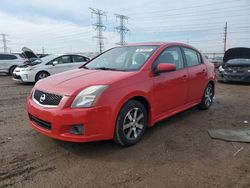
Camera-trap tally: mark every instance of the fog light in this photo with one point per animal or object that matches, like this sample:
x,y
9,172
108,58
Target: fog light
x,y
77,129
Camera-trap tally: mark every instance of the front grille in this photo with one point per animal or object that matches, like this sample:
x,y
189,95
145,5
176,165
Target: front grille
x,y
47,99
235,70
40,123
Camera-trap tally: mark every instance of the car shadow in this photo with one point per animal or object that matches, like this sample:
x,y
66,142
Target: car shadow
x,y
236,83
108,150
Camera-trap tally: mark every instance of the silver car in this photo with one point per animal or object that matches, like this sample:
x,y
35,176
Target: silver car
x,y
8,62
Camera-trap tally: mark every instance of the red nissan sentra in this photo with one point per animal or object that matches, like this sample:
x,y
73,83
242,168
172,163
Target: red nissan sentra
x,y
121,92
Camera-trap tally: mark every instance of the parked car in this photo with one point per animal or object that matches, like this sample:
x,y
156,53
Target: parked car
x,y
121,92
236,66
217,61
39,68
8,62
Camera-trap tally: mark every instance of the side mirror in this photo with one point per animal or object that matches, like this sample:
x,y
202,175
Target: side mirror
x,y
54,63
165,67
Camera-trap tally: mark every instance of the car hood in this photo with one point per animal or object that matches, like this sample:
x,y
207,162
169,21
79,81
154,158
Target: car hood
x,y
28,53
235,53
72,82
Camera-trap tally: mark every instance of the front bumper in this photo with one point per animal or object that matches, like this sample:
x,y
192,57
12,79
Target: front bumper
x,y
234,77
23,76
96,121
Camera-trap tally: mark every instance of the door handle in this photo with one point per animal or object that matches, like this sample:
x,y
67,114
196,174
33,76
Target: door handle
x,y
184,77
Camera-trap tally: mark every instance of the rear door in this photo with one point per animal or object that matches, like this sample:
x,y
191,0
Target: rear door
x,y
170,88
7,60
197,74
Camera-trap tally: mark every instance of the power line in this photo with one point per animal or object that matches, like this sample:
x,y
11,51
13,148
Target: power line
x,y
122,29
225,37
99,27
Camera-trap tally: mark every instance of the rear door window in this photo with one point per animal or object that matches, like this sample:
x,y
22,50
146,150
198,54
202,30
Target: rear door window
x,y
7,57
192,57
77,58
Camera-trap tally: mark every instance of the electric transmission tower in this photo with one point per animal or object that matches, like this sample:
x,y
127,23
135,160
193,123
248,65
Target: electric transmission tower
x,y
5,48
99,27
122,29
225,38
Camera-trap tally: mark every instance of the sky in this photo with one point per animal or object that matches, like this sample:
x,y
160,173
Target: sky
x,y
66,25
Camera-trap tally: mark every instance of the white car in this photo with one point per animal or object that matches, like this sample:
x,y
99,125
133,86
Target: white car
x,y
48,65
8,62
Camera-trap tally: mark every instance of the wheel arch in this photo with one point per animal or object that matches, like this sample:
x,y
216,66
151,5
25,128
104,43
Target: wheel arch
x,y
12,66
142,99
40,72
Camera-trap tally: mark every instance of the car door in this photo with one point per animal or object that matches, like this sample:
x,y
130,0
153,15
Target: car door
x,y
77,61
6,61
63,63
197,74
170,88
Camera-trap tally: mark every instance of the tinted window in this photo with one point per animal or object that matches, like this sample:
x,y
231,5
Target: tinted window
x,y
77,58
63,59
171,55
7,57
192,57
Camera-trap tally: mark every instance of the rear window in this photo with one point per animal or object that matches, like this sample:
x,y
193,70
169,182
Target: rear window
x,y
7,57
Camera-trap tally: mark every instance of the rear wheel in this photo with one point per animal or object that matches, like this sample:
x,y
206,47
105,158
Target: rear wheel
x,y
208,96
131,123
41,75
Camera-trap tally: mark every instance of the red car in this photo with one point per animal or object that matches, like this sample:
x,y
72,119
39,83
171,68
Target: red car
x,y
121,92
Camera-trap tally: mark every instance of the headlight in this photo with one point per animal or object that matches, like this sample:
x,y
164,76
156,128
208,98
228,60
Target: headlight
x,y
29,68
88,96
221,69
248,70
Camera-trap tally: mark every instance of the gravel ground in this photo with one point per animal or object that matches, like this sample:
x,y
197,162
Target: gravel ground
x,y
177,152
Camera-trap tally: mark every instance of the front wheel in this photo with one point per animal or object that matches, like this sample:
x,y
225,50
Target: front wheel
x,y
208,96
131,123
41,75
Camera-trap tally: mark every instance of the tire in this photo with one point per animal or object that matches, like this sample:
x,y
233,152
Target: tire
x,y
207,99
131,123
11,70
41,75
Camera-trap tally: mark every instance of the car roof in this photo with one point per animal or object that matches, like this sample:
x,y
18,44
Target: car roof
x,y
160,44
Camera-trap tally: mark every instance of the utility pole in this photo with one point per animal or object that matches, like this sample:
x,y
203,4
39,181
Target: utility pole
x,y
5,48
122,29
99,27
225,38
43,50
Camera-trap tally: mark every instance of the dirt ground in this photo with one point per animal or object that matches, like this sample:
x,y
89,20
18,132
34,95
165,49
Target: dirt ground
x,y
177,152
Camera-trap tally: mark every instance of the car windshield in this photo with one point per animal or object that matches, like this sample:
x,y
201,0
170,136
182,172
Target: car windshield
x,y
238,61
128,58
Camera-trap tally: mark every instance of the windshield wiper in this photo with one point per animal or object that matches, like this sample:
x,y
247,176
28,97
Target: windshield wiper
x,y
106,68
83,66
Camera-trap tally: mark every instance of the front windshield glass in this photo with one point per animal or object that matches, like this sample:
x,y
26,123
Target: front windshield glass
x,y
239,61
127,58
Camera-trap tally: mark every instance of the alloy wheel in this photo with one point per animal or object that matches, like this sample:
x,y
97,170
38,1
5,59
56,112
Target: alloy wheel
x,y
133,123
42,75
208,96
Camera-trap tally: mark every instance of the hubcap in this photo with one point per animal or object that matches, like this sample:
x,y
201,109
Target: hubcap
x,y
42,75
133,123
208,96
